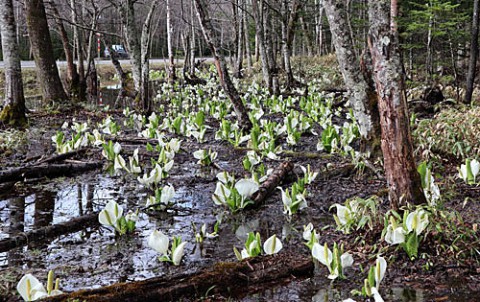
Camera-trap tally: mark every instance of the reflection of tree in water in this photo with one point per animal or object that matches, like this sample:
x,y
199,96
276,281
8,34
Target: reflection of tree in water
x,y
17,225
43,215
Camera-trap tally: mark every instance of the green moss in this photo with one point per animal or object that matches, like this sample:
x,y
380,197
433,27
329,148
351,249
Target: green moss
x,y
13,116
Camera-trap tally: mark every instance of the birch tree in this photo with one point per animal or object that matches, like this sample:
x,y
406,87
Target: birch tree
x,y
13,112
362,96
399,164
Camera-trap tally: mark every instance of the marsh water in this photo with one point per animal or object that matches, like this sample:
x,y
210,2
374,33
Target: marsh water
x,y
95,257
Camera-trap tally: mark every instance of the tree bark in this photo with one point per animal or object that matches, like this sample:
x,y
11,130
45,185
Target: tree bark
x,y
273,181
50,232
362,96
131,33
73,79
145,54
53,170
13,112
228,279
399,164
472,64
172,76
41,46
260,38
221,65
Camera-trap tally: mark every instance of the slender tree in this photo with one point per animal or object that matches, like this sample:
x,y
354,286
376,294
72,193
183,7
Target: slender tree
x,y
220,64
472,64
13,112
399,164
41,46
172,75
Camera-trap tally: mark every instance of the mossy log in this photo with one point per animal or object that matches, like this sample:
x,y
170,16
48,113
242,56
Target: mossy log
x,y
273,180
228,279
50,232
53,170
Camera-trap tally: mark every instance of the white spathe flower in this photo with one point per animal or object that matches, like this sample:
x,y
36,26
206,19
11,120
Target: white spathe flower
x,y
246,187
168,192
151,200
417,220
376,295
346,259
119,163
253,157
110,214
344,214
225,177
158,241
474,166
272,245
30,288
178,253
117,148
221,194
307,232
174,144
323,254
380,269
200,154
131,216
395,235
309,176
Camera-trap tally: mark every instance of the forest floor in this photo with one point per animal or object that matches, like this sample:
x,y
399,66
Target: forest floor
x,y
447,267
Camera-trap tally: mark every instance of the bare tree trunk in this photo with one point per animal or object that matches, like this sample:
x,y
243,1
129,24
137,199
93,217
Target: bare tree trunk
x,y
248,52
472,63
289,19
399,164
41,46
13,112
72,75
171,57
192,42
132,36
362,97
240,39
145,54
308,36
225,81
80,54
260,38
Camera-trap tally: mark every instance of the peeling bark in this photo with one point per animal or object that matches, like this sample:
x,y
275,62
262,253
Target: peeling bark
x,y
399,164
362,97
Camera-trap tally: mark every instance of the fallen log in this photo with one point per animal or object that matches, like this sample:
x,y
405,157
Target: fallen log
x,y
271,183
227,279
60,157
53,170
50,232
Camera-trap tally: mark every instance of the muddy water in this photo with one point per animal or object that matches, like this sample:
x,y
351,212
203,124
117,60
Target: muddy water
x,y
94,258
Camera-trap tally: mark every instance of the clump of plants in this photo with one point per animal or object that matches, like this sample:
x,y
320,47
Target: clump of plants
x,y
451,131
